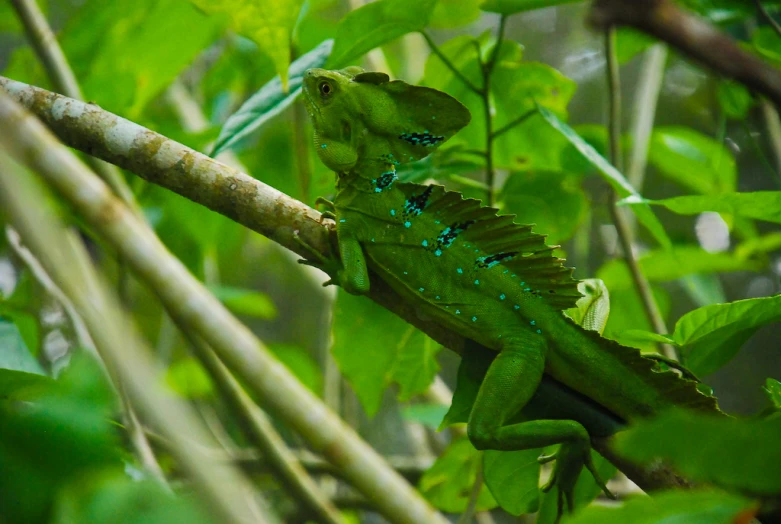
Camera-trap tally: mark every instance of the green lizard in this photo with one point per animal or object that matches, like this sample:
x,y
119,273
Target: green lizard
x,y
478,273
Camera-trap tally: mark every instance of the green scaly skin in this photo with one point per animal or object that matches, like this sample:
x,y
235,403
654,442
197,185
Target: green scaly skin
x,y
477,273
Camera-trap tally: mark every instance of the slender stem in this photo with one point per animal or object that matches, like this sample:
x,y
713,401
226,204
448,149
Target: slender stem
x,y
449,64
773,125
45,45
614,99
495,53
60,73
121,347
233,342
487,69
476,152
766,16
649,85
469,512
260,431
619,218
521,119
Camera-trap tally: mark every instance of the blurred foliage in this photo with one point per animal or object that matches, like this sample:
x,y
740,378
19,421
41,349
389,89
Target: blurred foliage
x,y
65,455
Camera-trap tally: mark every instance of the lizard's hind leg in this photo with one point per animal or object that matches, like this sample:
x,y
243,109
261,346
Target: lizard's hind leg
x,y
509,384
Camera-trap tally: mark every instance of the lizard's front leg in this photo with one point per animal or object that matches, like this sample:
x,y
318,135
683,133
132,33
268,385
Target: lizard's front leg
x,y
509,384
348,270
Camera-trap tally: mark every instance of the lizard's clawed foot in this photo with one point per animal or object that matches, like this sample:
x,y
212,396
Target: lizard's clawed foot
x,y
330,210
570,459
327,264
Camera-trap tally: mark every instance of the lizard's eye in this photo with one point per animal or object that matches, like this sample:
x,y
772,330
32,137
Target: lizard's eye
x,y
325,88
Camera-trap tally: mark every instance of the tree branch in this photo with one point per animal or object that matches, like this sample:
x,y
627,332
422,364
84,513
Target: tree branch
x,y
692,36
236,195
188,302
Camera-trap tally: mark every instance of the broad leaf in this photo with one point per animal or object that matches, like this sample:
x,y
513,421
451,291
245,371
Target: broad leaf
x,y
710,336
690,507
188,378
430,415
375,24
586,490
554,201
133,57
773,390
245,301
301,363
21,385
610,174
513,478
374,348
14,354
759,205
692,159
270,100
734,98
631,42
448,483
737,454
269,23
112,496
454,13
509,7
680,261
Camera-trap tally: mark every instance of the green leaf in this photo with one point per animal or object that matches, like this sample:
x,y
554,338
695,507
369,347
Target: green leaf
x,y
633,337
375,24
14,354
518,87
610,174
301,364
734,98
767,44
671,264
21,385
515,85
416,363
454,13
373,348
773,390
133,57
54,438
270,100
21,309
554,201
509,7
759,205
692,159
188,378
448,483
690,507
245,301
630,42
710,336
586,490
430,415
764,244
513,478
111,496
268,23
471,372
736,454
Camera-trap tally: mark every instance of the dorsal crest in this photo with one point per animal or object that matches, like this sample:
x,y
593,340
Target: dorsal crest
x,y
494,240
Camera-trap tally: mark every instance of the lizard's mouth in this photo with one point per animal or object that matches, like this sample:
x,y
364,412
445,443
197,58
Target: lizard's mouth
x,y
311,107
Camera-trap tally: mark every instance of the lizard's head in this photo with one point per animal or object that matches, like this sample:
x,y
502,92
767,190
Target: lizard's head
x,y
325,91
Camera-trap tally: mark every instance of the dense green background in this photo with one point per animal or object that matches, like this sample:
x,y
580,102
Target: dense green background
x,y
70,458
